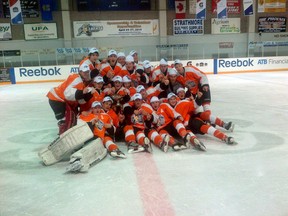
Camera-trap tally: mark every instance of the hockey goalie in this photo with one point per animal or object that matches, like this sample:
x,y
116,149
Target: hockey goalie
x,y
77,142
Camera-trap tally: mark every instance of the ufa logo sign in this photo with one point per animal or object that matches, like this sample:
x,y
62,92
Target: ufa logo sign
x,y
39,28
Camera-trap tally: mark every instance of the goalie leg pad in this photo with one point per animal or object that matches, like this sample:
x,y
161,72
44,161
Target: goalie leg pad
x,y
87,156
65,144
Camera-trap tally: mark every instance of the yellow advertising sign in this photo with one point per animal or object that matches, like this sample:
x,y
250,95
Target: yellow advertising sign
x,y
271,6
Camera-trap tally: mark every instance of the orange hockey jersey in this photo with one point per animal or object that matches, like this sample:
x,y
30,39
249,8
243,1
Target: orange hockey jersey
x,y
66,91
166,115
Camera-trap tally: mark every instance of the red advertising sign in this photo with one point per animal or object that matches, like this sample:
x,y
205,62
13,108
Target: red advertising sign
x,y
233,6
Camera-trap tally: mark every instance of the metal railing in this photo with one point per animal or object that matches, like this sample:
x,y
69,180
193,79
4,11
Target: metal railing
x,y
68,56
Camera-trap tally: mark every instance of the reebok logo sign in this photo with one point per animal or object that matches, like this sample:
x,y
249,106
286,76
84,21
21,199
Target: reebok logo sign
x,y
39,72
235,63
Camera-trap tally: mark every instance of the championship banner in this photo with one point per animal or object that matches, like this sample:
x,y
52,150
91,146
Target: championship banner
x,y
192,6
46,10
29,9
225,26
222,9
201,9
233,6
271,6
15,12
272,24
248,7
40,31
5,31
180,9
115,28
188,27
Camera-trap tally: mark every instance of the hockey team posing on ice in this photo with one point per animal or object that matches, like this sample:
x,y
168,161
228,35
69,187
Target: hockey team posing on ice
x,y
122,98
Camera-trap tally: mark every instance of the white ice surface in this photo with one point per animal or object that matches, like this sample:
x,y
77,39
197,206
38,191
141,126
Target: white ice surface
x,y
250,179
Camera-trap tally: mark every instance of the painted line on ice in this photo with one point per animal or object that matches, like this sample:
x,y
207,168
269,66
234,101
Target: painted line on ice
x,y
152,190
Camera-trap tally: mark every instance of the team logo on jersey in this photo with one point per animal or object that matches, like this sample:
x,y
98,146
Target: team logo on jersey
x,y
136,119
161,120
99,125
190,84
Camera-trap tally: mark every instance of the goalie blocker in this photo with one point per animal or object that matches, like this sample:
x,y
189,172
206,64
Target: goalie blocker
x,y
66,143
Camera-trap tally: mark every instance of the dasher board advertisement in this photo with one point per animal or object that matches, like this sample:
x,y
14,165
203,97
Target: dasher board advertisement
x,y
115,28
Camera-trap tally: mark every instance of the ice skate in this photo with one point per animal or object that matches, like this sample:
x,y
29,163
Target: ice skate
x,y
147,145
187,141
164,144
133,147
230,141
197,144
179,146
229,126
117,154
75,166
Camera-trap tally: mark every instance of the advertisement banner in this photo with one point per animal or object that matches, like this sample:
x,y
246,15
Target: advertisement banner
x,y
261,64
115,28
5,31
271,6
233,6
201,9
188,27
222,9
43,73
40,31
225,26
272,24
248,7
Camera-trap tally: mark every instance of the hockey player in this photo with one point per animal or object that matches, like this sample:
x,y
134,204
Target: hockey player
x,y
194,123
92,59
206,116
127,83
65,98
160,72
120,94
171,121
135,56
174,85
148,71
194,79
103,128
136,122
98,94
118,118
111,68
121,58
148,93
